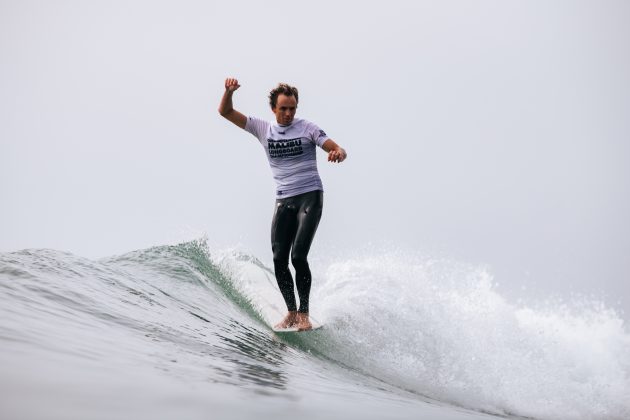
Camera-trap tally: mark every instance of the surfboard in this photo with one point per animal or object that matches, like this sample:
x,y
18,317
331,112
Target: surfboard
x,y
295,330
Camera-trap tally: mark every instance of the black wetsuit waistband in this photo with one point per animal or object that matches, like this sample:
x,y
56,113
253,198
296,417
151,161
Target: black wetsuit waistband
x,y
300,197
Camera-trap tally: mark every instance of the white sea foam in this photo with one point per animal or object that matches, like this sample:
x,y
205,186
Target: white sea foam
x,y
441,329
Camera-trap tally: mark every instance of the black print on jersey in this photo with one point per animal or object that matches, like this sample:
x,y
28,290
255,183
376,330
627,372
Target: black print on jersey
x,y
322,133
285,148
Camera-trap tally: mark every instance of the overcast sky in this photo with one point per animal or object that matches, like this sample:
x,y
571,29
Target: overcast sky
x,y
489,132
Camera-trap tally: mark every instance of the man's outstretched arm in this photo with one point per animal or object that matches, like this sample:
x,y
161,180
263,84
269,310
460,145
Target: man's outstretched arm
x,y
226,109
335,152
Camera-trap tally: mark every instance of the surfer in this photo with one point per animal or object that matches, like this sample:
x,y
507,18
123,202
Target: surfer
x,y
290,144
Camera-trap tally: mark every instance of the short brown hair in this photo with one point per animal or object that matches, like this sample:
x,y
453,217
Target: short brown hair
x,y
283,89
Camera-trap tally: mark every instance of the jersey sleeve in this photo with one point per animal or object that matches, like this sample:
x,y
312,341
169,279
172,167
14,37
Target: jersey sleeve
x,y
317,135
257,127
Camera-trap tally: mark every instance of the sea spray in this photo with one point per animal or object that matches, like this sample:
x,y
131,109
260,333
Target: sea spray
x,y
442,330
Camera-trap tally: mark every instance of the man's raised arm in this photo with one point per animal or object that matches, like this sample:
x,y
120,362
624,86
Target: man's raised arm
x,y
226,109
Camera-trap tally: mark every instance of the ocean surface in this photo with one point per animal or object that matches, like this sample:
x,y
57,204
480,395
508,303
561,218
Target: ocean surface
x,y
183,332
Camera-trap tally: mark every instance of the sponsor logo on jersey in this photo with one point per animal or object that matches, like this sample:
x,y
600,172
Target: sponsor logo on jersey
x,y
285,148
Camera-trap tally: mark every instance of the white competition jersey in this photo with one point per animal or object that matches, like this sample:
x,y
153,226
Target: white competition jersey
x,y
291,151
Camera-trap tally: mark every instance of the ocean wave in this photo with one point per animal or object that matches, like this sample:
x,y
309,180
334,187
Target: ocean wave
x,y
427,330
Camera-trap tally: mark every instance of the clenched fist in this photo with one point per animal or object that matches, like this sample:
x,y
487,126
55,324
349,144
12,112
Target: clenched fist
x,y
231,85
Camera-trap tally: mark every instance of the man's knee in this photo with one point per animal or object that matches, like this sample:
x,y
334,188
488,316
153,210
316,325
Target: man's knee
x,y
299,262
280,263
280,256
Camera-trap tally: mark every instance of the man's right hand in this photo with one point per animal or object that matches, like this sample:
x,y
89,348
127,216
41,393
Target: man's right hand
x,y
225,107
231,85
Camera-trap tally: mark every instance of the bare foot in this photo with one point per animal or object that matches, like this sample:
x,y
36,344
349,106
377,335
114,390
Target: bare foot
x,y
302,322
289,321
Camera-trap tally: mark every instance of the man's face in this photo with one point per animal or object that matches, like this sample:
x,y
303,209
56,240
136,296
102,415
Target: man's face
x,y
285,109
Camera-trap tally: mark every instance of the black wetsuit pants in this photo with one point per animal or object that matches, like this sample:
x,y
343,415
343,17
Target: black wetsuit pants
x,y
295,221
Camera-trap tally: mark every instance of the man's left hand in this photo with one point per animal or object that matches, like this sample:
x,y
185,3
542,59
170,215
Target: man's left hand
x,y
337,155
